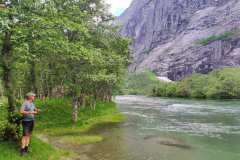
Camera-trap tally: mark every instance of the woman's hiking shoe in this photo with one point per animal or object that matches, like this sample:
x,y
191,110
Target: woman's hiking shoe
x,y
26,150
23,152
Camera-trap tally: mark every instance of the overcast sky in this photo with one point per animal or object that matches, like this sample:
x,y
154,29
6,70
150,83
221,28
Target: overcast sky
x,y
118,6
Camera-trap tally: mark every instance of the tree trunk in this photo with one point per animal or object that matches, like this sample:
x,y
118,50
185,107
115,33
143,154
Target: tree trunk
x,y
50,80
7,72
75,110
33,77
82,101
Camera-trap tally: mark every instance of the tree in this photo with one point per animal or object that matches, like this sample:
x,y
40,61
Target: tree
x,y
63,44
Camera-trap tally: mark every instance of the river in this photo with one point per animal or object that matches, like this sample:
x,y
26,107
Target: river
x,y
171,129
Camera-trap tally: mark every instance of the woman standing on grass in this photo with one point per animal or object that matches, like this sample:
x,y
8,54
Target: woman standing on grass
x,y
28,110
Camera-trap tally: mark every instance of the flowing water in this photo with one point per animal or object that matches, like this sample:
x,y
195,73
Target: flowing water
x,y
171,129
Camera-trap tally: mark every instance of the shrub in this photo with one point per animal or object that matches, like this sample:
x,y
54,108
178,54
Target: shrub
x,y
224,36
171,90
3,119
165,89
183,89
196,85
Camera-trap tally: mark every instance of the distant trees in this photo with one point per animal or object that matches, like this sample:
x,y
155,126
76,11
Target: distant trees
x,y
60,48
140,83
219,84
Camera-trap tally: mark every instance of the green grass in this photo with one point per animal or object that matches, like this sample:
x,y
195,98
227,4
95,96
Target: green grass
x,y
224,36
55,121
82,128
38,151
57,113
81,140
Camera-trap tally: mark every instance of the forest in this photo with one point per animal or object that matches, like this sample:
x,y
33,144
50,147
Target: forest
x,y
58,49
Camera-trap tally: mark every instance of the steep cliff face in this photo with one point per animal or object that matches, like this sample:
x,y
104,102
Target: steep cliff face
x,y
166,35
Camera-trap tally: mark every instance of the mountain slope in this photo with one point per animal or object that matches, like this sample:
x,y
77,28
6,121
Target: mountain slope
x,y
174,38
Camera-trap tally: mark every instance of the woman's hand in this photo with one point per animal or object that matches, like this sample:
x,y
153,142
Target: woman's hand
x,y
37,110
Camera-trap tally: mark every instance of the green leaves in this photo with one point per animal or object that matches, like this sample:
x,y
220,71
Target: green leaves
x,y
219,84
65,45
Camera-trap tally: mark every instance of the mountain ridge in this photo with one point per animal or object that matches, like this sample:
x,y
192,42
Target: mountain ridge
x,y
166,36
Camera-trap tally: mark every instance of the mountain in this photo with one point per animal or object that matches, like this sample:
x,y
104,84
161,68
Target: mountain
x,y
175,38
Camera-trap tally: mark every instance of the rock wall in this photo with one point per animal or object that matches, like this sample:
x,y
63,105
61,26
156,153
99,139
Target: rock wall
x,y
166,35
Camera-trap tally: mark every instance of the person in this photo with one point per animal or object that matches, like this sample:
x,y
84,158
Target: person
x,y
28,110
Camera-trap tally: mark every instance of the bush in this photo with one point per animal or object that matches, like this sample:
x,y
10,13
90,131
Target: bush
x,y
224,36
164,89
224,84
3,119
1,88
171,90
196,85
10,128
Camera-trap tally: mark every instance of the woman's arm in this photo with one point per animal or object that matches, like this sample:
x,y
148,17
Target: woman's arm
x,y
22,111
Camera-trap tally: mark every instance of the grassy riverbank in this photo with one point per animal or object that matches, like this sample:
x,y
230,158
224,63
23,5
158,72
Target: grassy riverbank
x,y
39,151
55,122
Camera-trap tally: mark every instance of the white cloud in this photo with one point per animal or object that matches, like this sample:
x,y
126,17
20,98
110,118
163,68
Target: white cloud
x,y
118,6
